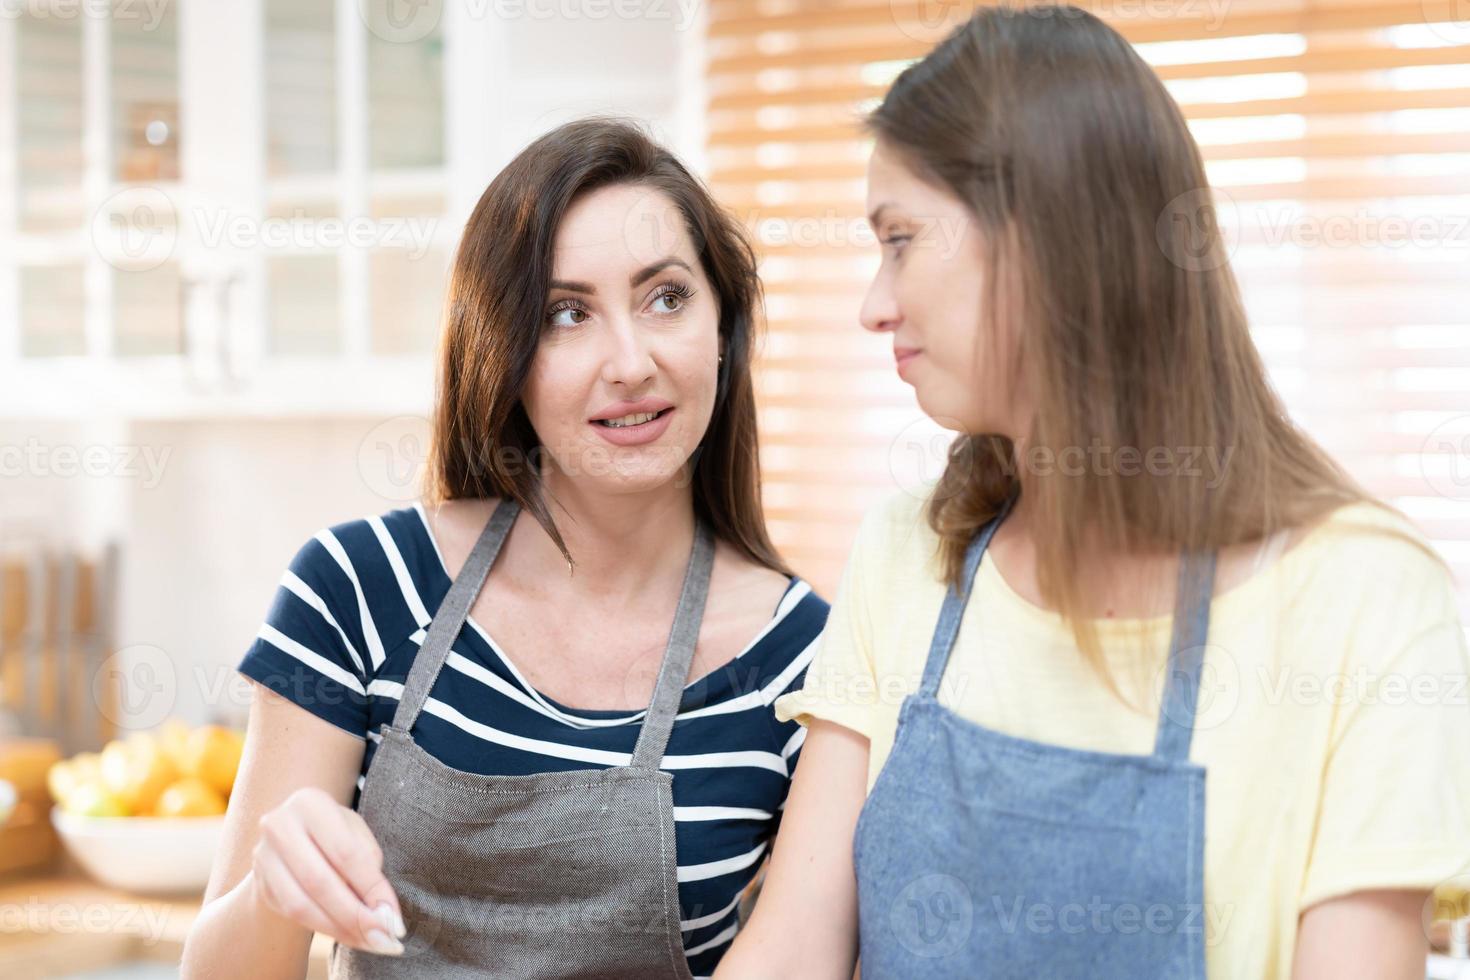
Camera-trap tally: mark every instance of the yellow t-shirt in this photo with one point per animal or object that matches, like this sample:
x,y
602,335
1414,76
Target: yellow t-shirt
x,y
1333,714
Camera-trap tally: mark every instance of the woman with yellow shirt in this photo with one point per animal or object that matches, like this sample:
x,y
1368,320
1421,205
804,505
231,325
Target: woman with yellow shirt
x,y
1207,713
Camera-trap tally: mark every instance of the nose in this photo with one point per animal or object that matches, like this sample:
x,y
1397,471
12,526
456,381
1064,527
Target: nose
x,y
879,312
628,360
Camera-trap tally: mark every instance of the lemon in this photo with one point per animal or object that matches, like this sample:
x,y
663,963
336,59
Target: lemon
x,y
93,800
136,770
63,778
173,738
212,753
189,797
87,766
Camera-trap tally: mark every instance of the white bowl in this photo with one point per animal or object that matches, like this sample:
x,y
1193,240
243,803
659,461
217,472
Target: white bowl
x,y
143,854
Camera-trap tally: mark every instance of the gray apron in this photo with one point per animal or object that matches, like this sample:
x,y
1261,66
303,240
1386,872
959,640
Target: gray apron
x,y
569,874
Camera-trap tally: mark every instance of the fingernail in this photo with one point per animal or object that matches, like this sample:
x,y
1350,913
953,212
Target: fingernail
x,y
392,921
381,942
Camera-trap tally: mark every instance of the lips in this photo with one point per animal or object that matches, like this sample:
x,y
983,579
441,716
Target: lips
x,y
642,406
652,417
903,357
634,435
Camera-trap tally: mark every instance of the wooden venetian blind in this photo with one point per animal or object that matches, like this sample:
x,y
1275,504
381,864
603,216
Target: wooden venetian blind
x,y
1337,137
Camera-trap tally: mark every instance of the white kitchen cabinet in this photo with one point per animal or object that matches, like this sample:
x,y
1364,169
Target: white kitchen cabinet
x,y
247,208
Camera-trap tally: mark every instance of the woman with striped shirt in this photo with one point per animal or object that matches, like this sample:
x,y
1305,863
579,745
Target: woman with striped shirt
x,y
567,785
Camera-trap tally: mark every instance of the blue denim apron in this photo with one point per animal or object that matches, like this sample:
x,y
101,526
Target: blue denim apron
x,y
982,855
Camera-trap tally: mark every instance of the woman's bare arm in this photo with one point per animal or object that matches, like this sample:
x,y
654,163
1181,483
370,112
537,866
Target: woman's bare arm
x,y
804,923
293,762
1369,935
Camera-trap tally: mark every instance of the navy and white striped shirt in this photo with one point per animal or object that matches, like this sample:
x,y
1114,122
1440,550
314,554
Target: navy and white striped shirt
x,y
352,610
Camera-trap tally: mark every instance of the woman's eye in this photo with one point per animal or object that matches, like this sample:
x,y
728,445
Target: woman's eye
x,y
896,240
566,316
671,298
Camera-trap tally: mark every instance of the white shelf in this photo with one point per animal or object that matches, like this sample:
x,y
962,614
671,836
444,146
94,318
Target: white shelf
x,y
161,388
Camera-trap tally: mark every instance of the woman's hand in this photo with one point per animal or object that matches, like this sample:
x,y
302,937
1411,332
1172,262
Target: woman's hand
x,y
294,858
317,864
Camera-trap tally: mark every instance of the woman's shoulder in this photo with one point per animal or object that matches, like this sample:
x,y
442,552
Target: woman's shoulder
x,y
777,657
893,536
1367,539
347,558
779,617
802,610
1370,556
376,532
1366,532
794,611
446,520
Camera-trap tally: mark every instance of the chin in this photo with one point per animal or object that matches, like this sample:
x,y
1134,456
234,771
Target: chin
x,y
635,482
639,470
943,411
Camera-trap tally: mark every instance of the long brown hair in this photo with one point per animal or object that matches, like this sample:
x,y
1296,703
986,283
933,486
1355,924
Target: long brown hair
x,y
482,442
1129,326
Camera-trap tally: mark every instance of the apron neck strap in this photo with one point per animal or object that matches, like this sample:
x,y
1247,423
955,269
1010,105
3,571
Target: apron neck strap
x,y
1191,623
668,690
1186,655
450,618
955,600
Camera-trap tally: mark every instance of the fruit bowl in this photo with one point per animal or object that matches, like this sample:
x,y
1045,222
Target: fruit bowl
x,y
142,854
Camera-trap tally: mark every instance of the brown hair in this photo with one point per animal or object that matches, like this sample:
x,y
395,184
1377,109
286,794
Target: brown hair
x,y
1129,325
494,315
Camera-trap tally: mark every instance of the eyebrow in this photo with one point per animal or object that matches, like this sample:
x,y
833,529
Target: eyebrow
x,y
877,213
635,279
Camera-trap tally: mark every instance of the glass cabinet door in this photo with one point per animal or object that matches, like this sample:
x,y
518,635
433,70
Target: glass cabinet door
x,y
96,113
194,206
355,161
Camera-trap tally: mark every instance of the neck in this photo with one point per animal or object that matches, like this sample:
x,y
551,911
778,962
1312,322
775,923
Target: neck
x,y
1017,524
1114,584
627,546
